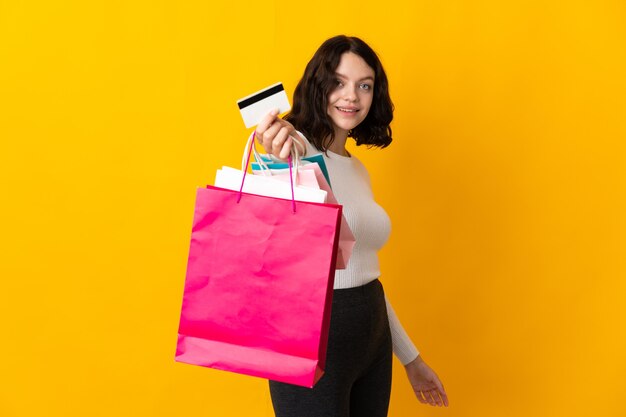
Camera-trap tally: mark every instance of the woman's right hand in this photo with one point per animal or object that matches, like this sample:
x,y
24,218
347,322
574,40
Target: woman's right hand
x,y
277,135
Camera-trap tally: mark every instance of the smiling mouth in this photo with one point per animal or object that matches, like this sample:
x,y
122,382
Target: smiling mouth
x,y
341,109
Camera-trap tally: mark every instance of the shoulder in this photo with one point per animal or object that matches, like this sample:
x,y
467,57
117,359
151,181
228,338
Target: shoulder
x,y
360,167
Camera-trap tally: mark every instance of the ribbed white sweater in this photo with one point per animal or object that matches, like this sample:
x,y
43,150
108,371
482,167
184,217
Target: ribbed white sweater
x,y
371,227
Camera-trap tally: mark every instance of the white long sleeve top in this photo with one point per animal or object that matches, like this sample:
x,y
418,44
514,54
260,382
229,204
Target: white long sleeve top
x,y
371,227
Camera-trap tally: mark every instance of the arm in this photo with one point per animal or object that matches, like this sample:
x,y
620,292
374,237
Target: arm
x,y
403,347
425,383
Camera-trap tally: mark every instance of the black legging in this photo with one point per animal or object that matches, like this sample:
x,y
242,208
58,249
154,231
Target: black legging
x,y
357,378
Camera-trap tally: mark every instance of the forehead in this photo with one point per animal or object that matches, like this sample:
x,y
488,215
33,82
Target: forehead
x,y
353,66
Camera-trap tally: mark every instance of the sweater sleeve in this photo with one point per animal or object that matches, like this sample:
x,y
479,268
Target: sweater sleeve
x,y
403,348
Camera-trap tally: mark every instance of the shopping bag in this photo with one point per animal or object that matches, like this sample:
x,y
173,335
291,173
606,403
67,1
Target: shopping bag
x,y
318,158
346,237
306,189
306,178
258,287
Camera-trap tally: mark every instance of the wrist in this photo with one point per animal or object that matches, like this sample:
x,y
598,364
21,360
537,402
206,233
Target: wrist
x,y
414,362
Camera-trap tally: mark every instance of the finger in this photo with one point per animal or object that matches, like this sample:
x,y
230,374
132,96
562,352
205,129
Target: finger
x,y
429,397
286,149
269,137
419,396
444,397
442,391
279,140
435,395
267,121
258,136
435,398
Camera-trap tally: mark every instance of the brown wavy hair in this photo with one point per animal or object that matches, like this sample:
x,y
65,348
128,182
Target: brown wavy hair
x,y
310,99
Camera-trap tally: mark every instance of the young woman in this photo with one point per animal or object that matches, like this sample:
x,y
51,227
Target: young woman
x,y
344,93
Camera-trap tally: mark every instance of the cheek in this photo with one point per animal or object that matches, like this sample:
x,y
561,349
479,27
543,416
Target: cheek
x,y
367,103
332,97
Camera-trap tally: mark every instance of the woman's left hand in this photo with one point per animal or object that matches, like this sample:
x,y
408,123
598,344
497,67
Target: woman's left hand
x,y
425,382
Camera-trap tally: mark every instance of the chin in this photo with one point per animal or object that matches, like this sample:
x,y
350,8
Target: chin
x,y
347,126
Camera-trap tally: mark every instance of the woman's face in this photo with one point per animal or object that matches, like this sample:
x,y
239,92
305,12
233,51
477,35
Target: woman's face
x,y
350,100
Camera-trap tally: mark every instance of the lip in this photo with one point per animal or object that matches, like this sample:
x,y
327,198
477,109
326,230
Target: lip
x,y
353,110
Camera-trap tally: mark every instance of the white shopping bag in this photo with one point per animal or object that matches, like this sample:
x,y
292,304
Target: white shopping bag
x,y
231,179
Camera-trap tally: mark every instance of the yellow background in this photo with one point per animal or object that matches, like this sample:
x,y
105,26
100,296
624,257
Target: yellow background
x,y
505,183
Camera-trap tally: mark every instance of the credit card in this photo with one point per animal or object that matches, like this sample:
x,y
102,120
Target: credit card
x,y
255,106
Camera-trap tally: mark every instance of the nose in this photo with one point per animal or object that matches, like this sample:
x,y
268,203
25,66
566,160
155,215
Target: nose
x,y
349,93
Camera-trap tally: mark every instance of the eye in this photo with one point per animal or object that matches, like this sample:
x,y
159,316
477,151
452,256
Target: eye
x,y
366,87
338,82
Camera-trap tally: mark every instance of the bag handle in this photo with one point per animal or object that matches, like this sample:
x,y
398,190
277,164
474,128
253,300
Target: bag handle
x,y
250,149
265,170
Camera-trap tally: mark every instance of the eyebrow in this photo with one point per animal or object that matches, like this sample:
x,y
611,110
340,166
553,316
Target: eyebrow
x,y
362,79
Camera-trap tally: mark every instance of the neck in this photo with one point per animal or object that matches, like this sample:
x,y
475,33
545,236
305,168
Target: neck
x,y
339,144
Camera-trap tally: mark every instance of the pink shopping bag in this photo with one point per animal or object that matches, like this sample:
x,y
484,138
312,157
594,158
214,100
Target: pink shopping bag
x,y
258,289
346,237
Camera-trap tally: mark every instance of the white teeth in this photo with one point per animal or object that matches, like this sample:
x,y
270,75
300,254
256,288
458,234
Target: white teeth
x,y
346,110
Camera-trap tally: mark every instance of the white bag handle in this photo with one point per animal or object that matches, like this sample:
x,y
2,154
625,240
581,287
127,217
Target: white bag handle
x,y
265,170
250,148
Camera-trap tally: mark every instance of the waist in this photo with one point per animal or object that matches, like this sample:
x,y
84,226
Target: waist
x,y
370,292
